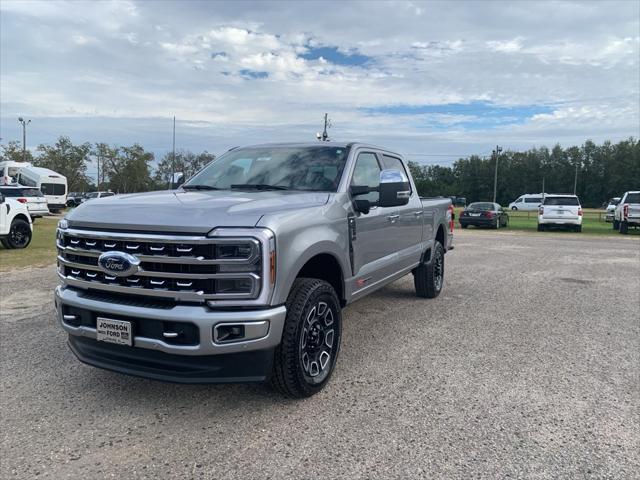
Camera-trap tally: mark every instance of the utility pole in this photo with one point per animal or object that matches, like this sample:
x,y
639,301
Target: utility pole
x,y
173,155
496,154
24,137
324,136
575,180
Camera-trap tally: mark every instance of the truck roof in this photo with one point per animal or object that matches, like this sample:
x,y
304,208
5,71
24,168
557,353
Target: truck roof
x,y
318,144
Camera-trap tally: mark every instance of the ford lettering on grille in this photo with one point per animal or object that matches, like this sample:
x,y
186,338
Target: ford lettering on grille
x,y
119,264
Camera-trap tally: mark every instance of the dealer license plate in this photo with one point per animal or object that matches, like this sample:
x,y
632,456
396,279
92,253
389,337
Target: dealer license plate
x,y
114,331
474,214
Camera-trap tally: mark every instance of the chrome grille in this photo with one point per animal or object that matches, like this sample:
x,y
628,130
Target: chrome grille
x,y
179,267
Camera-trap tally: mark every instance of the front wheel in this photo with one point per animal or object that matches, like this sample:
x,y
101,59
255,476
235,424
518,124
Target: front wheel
x,y
428,278
307,354
514,208
19,234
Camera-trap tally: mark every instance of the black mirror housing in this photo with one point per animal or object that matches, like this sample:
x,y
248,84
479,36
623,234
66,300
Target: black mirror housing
x,y
1,198
395,189
359,190
362,206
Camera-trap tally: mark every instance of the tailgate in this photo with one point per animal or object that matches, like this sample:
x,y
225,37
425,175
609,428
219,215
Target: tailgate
x,y
569,212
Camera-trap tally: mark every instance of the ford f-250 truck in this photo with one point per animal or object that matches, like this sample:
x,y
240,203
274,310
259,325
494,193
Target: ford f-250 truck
x,y
241,274
627,212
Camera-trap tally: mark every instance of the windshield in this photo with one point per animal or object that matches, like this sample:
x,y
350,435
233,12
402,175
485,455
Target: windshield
x,y
571,201
483,206
317,169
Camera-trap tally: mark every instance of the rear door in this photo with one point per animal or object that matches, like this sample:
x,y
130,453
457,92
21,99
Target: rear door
x,y
409,225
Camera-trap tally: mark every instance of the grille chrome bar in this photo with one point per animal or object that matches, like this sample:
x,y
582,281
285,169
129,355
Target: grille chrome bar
x,y
151,273
161,258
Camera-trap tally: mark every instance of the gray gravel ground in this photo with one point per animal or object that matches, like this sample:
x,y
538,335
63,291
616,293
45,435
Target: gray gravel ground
x,y
526,366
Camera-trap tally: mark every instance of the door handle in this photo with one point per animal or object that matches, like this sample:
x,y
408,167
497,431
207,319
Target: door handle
x,y
417,214
393,218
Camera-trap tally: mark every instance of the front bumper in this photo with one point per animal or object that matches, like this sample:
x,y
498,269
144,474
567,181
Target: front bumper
x,y
203,360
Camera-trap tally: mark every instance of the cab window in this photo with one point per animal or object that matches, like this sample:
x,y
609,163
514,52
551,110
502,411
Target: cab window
x,y
367,173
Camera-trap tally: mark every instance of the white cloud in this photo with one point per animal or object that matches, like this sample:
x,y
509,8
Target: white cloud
x,y
125,61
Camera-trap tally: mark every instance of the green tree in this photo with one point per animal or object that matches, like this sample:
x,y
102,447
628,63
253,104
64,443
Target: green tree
x,y
186,162
12,151
129,171
67,159
104,155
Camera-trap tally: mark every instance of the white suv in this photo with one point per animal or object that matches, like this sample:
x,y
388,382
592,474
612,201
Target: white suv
x,y
560,211
16,228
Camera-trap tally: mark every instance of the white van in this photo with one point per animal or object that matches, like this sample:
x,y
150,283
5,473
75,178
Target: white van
x,y
527,202
9,171
51,184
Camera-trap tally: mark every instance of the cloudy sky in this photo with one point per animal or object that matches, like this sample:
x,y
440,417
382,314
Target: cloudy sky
x,y
434,80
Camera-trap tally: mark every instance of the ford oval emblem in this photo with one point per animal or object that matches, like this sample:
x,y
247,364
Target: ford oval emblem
x,y
118,264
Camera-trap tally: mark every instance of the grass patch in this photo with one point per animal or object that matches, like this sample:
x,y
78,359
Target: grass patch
x,y
592,223
41,250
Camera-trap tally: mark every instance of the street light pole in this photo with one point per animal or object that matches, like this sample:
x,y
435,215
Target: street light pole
x,y
575,180
496,153
24,137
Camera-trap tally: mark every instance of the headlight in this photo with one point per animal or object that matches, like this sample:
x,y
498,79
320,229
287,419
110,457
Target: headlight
x,y
63,224
245,260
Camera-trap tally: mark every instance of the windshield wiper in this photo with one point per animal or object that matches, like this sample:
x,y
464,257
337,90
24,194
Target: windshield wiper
x,y
199,187
259,186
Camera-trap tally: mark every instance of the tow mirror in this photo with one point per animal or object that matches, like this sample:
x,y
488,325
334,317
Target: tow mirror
x,y
394,189
362,206
1,198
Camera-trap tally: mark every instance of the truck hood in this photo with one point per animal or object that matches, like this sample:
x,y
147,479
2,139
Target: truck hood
x,y
188,211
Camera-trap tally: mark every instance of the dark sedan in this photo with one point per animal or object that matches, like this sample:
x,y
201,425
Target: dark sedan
x,y
484,214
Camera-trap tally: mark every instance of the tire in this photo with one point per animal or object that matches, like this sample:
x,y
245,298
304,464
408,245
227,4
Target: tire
x,y
308,330
514,208
428,278
463,225
540,227
19,234
616,224
624,227
579,228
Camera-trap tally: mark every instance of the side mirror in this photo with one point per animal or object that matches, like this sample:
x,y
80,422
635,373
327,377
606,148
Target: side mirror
x,y
394,189
1,198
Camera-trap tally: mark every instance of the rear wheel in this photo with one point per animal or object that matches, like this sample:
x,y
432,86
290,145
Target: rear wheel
x,y
307,354
578,228
540,227
19,234
464,225
624,227
514,208
428,278
616,224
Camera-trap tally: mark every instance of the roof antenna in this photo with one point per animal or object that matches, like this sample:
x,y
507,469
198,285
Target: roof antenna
x,y
324,136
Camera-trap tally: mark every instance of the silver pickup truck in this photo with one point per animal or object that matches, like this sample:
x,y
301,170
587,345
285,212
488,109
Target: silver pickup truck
x,y
241,274
627,212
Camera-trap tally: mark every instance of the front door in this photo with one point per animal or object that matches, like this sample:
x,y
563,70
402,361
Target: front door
x,y
375,241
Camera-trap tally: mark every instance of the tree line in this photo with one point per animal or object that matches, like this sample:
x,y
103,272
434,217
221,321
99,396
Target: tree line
x,y
122,169
603,171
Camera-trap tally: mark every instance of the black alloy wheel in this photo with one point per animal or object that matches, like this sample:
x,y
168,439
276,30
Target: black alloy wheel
x,y
305,359
19,234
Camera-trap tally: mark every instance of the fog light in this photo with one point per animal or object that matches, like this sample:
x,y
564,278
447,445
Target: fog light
x,y
228,333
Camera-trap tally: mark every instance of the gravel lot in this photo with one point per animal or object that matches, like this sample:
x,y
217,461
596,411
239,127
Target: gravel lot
x,y
525,366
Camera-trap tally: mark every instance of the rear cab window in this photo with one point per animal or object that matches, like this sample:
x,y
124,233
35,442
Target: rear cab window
x,y
632,198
